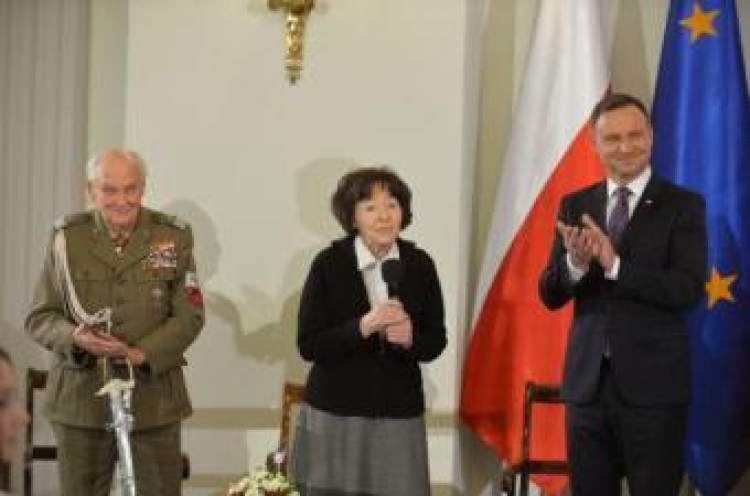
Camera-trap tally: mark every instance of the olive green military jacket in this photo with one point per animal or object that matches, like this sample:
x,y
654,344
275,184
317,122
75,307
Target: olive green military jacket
x,y
152,289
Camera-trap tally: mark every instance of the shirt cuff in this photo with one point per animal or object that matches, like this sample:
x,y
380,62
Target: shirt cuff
x,y
614,270
574,272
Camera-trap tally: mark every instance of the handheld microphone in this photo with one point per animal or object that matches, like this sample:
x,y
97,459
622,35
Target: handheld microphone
x,y
393,273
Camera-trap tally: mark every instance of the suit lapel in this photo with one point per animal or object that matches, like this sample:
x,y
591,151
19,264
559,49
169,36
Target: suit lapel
x,y
643,212
598,207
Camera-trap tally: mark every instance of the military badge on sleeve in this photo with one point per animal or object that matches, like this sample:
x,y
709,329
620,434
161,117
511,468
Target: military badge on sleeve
x,y
193,292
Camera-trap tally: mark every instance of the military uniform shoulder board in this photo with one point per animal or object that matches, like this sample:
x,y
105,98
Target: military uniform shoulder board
x,y
172,220
71,220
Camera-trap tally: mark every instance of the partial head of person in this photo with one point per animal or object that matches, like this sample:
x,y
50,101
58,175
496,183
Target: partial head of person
x,y
12,417
373,203
116,180
622,136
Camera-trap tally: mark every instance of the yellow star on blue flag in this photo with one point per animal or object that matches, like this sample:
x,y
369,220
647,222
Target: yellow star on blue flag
x,y
718,286
700,22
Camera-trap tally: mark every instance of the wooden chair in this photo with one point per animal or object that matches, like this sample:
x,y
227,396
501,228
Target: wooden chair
x,y
37,380
292,395
534,394
4,476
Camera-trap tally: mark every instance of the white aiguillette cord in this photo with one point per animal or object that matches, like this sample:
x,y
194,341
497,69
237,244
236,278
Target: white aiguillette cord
x,y
73,305
76,310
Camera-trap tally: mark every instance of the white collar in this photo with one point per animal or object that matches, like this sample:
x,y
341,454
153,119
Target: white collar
x,y
366,259
636,186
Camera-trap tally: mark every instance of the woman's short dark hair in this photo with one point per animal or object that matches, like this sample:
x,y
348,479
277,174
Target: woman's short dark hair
x,y
358,184
614,101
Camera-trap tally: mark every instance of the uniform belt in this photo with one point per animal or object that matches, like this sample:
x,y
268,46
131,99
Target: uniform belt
x,y
119,367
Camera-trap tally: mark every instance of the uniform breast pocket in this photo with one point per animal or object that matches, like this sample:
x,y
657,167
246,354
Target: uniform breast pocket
x,y
155,288
93,286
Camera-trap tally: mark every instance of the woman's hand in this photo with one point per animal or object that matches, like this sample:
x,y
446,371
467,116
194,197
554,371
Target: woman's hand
x,y
400,333
381,316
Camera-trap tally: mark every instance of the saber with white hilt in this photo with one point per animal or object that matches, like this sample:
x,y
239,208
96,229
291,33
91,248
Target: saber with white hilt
x,y
118,391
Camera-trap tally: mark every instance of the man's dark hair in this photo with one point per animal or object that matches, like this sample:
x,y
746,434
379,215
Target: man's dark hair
x,y
614,101
357,185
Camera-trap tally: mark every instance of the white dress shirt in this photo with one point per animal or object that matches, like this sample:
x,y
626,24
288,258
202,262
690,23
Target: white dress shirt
x,y
370,267
636,187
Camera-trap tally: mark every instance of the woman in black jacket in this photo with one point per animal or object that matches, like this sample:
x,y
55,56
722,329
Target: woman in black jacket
x,y
361,430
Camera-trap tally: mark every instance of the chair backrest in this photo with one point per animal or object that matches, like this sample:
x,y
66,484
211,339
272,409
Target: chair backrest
x,y
536,393
4,476
35,380
293,395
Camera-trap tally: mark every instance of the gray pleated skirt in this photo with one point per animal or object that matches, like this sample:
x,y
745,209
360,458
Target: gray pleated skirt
x,y
354,456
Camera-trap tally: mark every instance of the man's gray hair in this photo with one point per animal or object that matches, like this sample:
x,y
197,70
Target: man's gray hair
x,y
93,166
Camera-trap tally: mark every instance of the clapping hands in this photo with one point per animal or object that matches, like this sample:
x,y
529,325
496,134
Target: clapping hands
x,y
586,243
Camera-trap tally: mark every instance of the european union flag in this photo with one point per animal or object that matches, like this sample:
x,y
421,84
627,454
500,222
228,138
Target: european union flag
x,y
702,140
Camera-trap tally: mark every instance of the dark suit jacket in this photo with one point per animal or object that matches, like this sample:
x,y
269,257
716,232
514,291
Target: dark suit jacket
x,y
352,375
642,315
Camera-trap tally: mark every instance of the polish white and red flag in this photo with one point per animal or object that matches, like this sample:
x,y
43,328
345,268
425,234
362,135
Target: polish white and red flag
x,y
514,338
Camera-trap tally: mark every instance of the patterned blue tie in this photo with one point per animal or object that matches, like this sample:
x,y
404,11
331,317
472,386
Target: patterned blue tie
x,y
619,216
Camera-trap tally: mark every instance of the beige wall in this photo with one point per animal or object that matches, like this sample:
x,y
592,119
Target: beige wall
x,y
198,88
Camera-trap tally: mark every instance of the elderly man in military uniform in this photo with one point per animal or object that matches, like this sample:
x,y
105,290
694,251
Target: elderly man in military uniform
x,y
138,263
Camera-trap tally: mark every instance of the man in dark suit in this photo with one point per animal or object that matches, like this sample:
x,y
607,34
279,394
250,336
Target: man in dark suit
x,y
630,252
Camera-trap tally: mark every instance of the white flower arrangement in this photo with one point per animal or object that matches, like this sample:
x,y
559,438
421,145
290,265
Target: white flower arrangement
x,y
270,481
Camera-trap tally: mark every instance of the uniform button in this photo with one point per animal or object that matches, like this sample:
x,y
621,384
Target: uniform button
x,y
120,280
119,300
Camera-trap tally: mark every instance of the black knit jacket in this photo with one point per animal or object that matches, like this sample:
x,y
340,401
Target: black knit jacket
x,y
354,376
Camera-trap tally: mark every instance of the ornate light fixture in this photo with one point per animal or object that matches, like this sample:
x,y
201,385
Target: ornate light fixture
x,y
297,13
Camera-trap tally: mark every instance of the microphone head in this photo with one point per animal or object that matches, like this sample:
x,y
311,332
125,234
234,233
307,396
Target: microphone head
x,y
393,272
